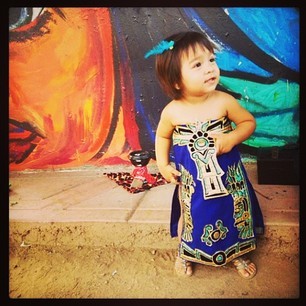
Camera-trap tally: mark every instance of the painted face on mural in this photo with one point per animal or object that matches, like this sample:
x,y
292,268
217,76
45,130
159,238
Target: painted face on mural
x,y
61,85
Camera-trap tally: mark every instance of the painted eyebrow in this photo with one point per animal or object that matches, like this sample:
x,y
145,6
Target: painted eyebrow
x,y
22,36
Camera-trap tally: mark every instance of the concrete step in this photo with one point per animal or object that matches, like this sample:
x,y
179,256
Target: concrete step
x,y
90,196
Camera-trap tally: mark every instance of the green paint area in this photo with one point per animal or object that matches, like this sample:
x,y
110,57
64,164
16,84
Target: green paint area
x,y
275,107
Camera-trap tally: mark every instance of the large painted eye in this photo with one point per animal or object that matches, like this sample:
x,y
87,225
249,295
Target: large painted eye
x,y
21,16
28,23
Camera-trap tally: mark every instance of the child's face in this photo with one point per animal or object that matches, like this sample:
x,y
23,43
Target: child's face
x,y
200,72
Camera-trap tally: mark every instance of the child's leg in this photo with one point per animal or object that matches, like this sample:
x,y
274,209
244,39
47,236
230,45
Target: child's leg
x,y
180,221
180,228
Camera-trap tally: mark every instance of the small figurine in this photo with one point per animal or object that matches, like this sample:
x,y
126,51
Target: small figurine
x,y
140,174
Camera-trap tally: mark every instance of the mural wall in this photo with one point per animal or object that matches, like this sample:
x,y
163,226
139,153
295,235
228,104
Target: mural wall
x,y
82,93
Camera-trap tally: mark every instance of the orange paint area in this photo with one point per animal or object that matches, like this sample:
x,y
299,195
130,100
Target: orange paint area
x,y
62,92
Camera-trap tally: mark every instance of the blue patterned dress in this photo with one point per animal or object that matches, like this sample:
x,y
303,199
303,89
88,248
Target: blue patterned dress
x,y
221,213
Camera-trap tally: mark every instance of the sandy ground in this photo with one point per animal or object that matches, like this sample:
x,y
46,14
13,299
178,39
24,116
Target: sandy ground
x,y
136,261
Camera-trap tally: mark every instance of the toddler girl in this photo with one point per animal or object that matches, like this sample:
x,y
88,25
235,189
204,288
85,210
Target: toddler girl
x,y
215,212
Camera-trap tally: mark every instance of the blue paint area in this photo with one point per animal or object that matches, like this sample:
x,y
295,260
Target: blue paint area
x,y
149,129
229,60
274,30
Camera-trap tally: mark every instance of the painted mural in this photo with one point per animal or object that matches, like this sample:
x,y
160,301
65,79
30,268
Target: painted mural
x,y
82,93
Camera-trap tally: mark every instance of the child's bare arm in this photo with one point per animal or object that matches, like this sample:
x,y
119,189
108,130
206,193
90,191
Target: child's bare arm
x,y
245,126
162,148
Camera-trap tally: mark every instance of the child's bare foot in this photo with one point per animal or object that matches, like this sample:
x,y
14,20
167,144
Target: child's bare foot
x,y
183,267
245,267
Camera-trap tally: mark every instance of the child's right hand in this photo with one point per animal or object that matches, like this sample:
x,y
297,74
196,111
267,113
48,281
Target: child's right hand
x,y
170,174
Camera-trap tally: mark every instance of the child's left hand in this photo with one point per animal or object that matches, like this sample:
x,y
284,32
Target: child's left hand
x,y
223,143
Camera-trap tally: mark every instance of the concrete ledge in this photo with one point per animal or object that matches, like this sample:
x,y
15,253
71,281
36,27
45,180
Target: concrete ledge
x,y
87,198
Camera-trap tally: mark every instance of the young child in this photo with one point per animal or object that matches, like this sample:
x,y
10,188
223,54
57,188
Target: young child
x,y
215,212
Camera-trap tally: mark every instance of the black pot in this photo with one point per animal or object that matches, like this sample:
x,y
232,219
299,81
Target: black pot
x,y
140,158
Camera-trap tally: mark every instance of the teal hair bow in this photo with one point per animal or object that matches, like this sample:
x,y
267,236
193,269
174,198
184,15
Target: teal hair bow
x,y
160,48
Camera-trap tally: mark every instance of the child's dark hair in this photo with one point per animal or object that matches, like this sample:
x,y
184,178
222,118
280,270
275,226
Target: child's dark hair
x,y
168,64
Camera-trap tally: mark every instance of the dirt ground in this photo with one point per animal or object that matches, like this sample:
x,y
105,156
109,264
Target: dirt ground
x,y
129,261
